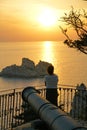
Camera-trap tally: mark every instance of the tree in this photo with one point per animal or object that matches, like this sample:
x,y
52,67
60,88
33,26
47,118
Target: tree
x,y
77,20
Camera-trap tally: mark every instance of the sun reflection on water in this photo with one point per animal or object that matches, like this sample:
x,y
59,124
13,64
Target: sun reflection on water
x,y
47,54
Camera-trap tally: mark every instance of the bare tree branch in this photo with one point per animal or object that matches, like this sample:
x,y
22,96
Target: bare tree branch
x,y
78,21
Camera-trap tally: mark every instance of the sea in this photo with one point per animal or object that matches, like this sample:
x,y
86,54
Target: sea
x,y
70,64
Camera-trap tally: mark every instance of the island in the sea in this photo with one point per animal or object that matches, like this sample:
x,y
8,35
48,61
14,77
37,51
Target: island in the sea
x,y
27,69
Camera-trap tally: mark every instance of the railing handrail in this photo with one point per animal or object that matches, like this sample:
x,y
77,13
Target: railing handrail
x,y
65,86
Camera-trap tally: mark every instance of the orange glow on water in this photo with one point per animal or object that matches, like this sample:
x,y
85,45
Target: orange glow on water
x,y
48,51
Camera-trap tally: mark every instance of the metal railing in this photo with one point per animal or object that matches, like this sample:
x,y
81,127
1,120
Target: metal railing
x,y
70,100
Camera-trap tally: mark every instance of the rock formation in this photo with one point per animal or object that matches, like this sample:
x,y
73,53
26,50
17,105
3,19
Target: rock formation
x,y
27,69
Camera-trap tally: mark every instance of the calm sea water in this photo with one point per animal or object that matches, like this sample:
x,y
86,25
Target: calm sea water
x,y
70,65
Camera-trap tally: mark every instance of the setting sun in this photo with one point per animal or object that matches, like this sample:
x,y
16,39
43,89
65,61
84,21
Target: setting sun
x,y
36,20
47,18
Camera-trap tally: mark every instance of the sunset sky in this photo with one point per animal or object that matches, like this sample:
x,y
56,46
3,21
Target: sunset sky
x,y
31,20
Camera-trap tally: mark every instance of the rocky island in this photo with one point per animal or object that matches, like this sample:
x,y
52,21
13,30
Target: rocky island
x,y
27,69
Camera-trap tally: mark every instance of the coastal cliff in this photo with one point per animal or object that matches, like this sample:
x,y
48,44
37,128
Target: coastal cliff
x,y
27,69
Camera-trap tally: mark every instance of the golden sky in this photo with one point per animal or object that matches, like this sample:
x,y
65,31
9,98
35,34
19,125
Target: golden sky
x,y
31,20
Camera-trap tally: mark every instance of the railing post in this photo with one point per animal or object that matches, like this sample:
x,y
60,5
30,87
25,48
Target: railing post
x,y
13,105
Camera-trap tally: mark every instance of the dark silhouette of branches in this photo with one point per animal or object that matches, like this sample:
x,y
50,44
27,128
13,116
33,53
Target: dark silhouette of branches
x,y
77,20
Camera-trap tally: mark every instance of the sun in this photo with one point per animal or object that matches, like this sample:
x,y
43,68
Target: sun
x,y
47,18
